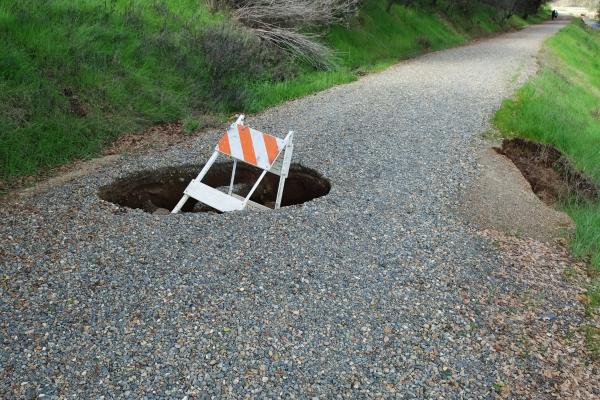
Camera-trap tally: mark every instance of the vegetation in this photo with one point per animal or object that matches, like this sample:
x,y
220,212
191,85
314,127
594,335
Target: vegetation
x,y
73,75
76,74
561,106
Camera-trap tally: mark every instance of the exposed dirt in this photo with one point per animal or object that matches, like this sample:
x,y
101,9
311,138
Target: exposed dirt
x,y
160,137
155,138
550,173
157,191
24,187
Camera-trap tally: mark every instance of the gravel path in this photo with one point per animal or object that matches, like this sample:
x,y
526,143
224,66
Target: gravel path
x,y
374,290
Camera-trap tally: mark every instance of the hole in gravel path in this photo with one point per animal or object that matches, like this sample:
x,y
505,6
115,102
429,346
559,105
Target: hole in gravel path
x,y
158,191
550,173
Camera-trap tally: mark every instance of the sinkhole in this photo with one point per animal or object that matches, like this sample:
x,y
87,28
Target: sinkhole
x,y
158,191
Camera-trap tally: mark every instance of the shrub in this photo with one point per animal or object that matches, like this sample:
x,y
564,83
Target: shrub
x,y
285,23
231,57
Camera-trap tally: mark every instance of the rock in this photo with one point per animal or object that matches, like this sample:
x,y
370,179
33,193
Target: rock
x,y
549,316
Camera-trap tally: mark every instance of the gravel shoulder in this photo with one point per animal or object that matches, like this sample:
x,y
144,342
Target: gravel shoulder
x,y
378,289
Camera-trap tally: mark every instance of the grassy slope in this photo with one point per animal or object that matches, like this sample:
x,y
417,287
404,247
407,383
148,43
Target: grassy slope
x,y
130,64
133,63
561,106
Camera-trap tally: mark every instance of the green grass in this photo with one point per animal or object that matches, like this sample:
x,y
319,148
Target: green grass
x,y
130,64
265,94
561,106
380,37
76,74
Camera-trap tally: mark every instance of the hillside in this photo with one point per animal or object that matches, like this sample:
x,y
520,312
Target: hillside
x,y
76,75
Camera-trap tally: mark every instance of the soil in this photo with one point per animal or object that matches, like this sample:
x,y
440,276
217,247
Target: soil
x,y
158,137
550,173
162,136
156,191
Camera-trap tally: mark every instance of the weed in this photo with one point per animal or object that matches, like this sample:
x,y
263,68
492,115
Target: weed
x,y
569,272
191,125
498,387
569,336
592,340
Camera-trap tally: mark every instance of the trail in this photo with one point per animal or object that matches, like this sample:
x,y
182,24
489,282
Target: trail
x,y
378,289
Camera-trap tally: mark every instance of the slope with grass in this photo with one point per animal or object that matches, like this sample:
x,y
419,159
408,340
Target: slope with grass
x,y
75,75
561,106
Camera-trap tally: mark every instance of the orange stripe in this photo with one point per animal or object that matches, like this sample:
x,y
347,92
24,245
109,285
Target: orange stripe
x,y
224,144
247,145
272,148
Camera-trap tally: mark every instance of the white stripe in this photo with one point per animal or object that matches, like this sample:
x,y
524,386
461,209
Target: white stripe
x,y
279,144
260,149
234,142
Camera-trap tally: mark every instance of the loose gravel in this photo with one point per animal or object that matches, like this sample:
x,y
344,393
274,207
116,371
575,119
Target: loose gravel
x,y
361,293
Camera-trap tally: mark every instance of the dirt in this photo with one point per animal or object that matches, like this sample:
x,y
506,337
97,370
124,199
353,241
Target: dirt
x,y
161,137
155,191
551,175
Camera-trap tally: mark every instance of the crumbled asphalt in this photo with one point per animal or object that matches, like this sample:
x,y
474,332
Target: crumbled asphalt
x,y
361,293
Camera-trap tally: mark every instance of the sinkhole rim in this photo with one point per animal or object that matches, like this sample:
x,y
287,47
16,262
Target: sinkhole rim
x,y
157,191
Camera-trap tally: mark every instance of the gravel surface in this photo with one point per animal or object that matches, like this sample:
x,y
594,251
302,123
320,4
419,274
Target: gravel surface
x,y
378,289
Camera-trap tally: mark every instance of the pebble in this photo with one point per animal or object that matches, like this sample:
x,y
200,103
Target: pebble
x,y
359,293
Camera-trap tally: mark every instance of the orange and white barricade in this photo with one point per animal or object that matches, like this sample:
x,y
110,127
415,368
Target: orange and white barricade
x,y
249,146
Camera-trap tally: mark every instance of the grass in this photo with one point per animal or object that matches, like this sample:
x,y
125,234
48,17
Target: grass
x,y
76,75
592,338
379,37
265,93
126,64
561,106
373,41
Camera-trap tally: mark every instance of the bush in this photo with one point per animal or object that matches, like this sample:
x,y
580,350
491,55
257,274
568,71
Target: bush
x,y
232,56
286,24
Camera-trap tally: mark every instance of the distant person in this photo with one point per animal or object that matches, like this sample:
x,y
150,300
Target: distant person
x,y
554,14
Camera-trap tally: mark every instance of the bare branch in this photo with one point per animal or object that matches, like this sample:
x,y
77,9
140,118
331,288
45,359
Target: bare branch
x,y
284,23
